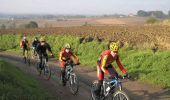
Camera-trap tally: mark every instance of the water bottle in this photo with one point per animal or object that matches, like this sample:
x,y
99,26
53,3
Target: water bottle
x,y
108,88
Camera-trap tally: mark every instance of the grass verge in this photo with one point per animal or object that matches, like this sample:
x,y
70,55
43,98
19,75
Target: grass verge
x,y
16,85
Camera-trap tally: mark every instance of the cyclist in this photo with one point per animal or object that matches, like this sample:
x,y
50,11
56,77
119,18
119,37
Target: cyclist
x,y
41,49
25,46
66,54
35,42
104,65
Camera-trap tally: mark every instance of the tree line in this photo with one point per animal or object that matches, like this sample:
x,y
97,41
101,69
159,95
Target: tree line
x,y
157,14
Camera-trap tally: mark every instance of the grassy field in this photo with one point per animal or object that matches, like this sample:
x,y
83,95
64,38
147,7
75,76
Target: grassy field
x,y
142,63
136,36
16,85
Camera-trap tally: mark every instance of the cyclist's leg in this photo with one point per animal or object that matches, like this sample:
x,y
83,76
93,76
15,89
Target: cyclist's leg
x,y
40,58
27,52
46,57
23,52
62,65
112,71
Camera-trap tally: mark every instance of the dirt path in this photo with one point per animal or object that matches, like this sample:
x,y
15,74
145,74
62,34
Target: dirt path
x,y
136,90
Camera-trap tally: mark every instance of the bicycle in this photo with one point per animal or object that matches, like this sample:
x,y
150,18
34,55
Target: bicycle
x,y
111,90
34,53
27,57
44,68
71,77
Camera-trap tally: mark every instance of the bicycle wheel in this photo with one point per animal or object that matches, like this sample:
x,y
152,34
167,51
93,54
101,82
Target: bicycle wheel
x,y
93,88
120,95
28,61
73,83
38,69
47,72
25,60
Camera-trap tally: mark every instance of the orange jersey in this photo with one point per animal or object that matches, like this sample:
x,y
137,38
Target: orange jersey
x,y
63,55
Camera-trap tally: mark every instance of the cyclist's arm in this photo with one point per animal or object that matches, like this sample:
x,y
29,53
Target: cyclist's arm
x,y
33,43
49,48
38,48
61,58
75,57
21,44
120,65
28,44
103,64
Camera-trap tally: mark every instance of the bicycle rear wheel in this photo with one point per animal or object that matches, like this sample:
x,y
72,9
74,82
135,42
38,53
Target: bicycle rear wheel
x,y
120,95
29,61
73,83
25,60
47,72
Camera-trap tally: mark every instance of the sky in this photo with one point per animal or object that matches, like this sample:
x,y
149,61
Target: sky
x,y
85,7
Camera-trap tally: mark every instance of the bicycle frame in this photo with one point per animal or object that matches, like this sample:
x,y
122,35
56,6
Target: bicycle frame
x,y
69,71
111,84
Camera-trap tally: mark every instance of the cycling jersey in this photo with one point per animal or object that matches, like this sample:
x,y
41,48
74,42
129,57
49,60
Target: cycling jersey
x,y
42,48
24,44
63,55
35,43
105,66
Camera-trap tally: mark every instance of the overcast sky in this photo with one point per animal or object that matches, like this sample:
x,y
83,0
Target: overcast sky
x,y
81,6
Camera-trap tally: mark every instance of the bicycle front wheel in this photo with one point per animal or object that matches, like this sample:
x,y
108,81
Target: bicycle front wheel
x,y
47,72
73,83
120,95
93,88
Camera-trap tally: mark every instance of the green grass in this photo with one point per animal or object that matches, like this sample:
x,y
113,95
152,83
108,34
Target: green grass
x,y
142,64
16,85
147,66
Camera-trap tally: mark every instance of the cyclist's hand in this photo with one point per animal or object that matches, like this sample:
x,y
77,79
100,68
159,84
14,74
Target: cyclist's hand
x,y
126,76
52,55
78,63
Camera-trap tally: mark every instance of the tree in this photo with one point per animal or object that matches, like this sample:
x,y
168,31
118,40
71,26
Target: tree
x,y
157,14
169,13
3,26
32,24
142,13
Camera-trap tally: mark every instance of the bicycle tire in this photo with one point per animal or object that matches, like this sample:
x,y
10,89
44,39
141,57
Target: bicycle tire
x,y
29,61
120,95
46,72
25,60
73,83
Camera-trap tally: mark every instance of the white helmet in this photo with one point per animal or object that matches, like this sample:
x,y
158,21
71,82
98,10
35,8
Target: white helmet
x,y
24,37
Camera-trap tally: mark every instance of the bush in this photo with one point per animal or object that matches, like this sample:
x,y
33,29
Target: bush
x,y
31,24
152,21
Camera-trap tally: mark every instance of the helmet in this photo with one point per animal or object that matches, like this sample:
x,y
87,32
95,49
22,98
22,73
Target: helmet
x,y
24,37
42,39
114,46
67,46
